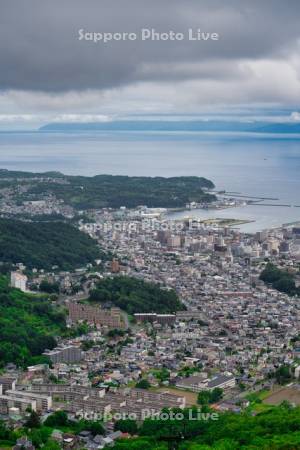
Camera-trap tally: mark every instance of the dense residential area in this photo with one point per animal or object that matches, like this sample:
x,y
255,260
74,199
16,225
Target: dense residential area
x,y
149,225
122,327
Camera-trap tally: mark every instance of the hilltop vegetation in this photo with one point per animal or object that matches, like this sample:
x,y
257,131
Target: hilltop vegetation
x,y
28,325
43,245
276,429
39,433
133,295
279,428
114,191
111,191
279,279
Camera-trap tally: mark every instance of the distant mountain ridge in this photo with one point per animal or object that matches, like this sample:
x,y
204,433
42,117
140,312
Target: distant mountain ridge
x,y
173,126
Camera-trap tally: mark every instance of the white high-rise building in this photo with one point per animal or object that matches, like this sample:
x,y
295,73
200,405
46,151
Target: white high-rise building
x,y
18,280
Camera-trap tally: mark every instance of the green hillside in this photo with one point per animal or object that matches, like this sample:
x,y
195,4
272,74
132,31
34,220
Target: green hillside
x,y
113,191
46,244
28,325
277,429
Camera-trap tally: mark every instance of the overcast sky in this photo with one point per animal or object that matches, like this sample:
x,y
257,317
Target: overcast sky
x,y
47,73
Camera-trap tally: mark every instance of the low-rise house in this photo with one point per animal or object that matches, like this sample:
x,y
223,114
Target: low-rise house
x,y
24,444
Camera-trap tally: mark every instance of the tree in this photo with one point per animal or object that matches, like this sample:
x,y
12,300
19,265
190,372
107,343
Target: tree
x,y
126,426
36,438
134,295
43,245
33,420
276,428
95,427
87,345
28,325
203,397
206,397
216,395
139,444
286,404
162,375
50,288
51,445
115,332
283,374
143,384
281,280
59,418
5,432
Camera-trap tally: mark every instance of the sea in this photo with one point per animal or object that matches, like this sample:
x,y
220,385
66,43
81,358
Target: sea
x,y
266,166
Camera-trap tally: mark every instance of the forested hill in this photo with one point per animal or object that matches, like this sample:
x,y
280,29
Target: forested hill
x,y
46,244
136,296
112,191
276,429
28,325
280,279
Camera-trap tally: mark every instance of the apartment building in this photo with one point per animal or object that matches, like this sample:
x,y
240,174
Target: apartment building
x,y
65,354
163,319
111,318
18,280
43,402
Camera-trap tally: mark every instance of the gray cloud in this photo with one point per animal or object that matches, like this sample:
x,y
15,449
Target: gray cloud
x,y
47,74
40,50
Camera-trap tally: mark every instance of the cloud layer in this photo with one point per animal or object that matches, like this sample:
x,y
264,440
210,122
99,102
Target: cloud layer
x,y
44,67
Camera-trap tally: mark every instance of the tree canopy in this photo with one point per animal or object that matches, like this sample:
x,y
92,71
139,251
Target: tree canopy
x,y
28,325
115,191
136,296
47,244
210,396
281,280
277,428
